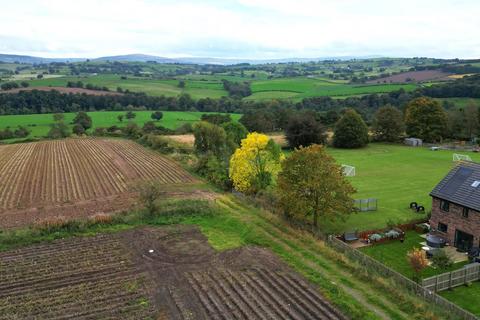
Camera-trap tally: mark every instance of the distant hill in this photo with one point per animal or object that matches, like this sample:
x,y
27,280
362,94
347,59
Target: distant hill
x,y
136,58
11,58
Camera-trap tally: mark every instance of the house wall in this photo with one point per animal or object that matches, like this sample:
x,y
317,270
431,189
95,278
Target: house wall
x,y
454,220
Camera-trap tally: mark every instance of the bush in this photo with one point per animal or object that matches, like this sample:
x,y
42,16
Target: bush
x,y
392,234
375,237
442,260
214,170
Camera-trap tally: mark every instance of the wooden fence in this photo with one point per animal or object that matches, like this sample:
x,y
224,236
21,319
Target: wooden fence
x,y
444,281
375,267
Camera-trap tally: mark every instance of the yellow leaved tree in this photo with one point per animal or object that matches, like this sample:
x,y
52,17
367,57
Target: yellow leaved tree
x,y
253,165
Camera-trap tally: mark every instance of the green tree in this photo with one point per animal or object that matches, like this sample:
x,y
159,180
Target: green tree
x,y
210,138
426,119
130,115
149,192
236,132
350,131
58,129
388,124
78,129
181,84
24,84
311,183
157,115
83,119
304,130
120,117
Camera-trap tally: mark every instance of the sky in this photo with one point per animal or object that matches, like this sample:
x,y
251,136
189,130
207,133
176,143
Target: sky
x,y
249,29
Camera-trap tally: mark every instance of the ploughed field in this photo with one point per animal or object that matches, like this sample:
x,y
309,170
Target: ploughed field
x,y
76,176
153,273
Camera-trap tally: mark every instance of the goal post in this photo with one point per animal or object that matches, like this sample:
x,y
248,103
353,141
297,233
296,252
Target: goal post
x,y
348,171
461,157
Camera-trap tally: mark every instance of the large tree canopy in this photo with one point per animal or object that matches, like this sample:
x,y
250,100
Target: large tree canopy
x,y
350,131
388,124
426,119
304,130
311,183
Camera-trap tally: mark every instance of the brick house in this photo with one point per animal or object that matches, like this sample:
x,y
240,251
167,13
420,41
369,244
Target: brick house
x,y
456,206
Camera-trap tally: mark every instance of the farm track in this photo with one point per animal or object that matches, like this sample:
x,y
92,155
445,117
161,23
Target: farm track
x,y
75,171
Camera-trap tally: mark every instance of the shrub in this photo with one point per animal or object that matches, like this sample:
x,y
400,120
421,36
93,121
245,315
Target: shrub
x,y
442,260
392,234
375,237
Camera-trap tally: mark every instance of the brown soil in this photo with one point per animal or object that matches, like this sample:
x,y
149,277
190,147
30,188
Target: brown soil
x,y
158,273
65,90
414,76
78,178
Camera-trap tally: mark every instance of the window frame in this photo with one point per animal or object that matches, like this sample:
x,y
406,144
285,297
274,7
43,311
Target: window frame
x,y
444,203
443,224
465,212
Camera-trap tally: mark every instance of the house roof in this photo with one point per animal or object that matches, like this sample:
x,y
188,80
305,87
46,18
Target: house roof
x,y
461,186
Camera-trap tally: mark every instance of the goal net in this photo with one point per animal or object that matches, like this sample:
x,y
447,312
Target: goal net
x,y
461,157
348,171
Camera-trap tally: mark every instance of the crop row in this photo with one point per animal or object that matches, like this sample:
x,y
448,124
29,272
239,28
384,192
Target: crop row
x,y
258,294
65,171
84,278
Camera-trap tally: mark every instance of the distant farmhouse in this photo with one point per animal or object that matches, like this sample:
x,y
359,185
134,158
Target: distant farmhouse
x,y
456,206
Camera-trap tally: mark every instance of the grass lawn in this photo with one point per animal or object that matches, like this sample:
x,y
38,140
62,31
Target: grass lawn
x,y
39,124
466,297
396,175
394,255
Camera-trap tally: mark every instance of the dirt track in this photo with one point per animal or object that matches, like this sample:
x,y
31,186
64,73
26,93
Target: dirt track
x,y
159,273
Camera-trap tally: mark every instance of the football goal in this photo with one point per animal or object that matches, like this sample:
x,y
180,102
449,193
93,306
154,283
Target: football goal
x,y
461,157
348,171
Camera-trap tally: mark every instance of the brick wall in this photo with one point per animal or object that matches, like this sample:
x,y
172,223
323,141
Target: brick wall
x,y
454,220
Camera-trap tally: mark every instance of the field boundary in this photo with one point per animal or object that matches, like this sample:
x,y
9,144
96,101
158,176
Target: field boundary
x,y
373,266
444,281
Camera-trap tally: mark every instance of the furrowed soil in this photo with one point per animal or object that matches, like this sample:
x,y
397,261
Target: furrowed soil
x,y
77,178
153,273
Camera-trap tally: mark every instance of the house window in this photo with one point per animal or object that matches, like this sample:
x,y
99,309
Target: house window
x,y
465,212
444,205
442,227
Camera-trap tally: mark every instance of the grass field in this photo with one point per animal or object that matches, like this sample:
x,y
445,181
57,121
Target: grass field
x,y
202,86
39,124
395,175
298,88
394,255
465,297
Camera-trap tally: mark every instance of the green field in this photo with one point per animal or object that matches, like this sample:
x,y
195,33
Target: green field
x,y
395,175
202,86
298,88
39,124
465,297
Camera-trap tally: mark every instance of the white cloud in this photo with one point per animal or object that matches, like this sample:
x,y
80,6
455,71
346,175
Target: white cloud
x,y
241,28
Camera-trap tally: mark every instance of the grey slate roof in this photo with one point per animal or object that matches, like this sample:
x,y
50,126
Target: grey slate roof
x,y
457,186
